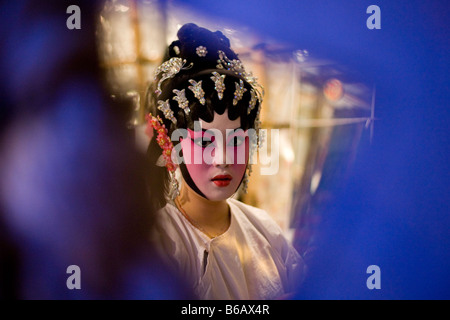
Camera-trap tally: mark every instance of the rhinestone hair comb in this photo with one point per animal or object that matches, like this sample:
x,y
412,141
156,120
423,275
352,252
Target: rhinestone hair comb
x,y
196,88
169,69
164,106
219,83
239,92
183,103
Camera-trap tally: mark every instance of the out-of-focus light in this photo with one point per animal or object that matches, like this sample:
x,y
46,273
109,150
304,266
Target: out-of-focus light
x,y
121,8
333,90
315,180
301,55
286,150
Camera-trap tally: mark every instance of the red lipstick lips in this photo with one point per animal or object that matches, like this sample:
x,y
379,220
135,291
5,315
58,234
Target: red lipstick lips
x,y
222,180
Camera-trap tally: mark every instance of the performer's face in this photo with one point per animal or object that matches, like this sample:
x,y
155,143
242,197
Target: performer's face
x,y
216,157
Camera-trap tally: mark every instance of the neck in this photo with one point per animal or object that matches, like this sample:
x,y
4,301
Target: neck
x,y
211,215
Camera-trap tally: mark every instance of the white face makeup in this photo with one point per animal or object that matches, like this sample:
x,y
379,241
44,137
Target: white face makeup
x,y
224,147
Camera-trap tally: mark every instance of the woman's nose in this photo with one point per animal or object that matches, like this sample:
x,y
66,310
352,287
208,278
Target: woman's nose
x,y
220,156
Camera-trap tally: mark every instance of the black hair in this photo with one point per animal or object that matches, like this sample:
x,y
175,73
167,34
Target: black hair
x,y
197,68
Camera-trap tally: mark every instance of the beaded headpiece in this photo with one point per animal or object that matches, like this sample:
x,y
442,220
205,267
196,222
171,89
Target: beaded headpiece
x,y
173,66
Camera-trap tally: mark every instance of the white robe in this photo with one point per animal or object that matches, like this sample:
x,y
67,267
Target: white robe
x,y
251,260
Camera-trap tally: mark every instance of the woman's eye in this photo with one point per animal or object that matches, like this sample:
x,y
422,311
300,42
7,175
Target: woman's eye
x,y
236,141
202,142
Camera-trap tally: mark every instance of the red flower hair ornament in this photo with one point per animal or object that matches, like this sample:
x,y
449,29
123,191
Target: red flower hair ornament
x,y
163,141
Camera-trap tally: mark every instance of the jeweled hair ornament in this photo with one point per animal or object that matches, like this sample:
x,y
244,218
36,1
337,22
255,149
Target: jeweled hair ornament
x,y
239,92
196,88
166,145
169,69
252,103
237,67
163,140
201,51
164,106
218,83
183,102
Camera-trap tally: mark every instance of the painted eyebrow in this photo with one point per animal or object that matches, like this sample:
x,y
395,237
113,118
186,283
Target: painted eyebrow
x,y
192,135
236,131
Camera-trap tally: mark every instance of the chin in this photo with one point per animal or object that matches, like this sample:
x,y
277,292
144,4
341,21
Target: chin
x,y
220,195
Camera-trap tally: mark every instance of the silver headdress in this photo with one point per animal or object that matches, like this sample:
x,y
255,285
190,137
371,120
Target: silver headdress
x,y
174,65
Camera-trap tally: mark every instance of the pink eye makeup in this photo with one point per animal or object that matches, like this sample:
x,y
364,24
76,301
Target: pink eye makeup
x,y
211,142
202,138
236,138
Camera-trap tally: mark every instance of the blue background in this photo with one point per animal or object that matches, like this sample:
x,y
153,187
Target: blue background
x,y
394,209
